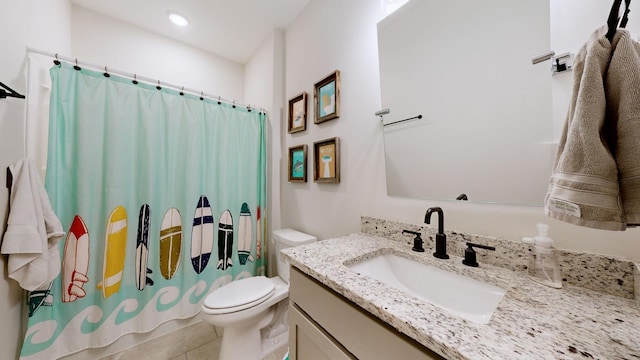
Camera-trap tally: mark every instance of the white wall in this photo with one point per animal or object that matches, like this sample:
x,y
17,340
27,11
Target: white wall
x,y
334,34
264,85
98,39
46,25
330,35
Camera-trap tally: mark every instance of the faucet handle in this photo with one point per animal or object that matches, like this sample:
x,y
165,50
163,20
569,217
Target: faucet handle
x,y
470,254
417,241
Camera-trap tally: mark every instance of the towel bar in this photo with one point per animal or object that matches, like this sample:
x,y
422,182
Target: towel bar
x,y
399,121
560,63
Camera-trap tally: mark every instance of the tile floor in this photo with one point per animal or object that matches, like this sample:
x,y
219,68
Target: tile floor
x,y
200,341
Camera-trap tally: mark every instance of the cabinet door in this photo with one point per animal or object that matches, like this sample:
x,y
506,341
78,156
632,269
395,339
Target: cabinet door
x,y
359,333
308,342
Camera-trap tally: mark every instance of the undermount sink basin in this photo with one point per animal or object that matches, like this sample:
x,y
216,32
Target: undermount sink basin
x,y
468,298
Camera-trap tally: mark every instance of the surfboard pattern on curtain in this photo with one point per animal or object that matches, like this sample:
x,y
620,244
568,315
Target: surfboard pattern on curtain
x,y
127,166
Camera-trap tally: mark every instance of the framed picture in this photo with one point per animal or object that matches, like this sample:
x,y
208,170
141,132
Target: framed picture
x,y
298,163
326,158
327,98
298,113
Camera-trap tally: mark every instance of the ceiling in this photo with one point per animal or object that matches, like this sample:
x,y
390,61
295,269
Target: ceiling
x,y
232,29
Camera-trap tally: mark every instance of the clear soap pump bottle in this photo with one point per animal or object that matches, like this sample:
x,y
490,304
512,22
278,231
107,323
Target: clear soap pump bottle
x,y
543,266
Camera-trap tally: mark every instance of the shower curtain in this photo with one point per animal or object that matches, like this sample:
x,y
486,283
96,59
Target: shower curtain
x,y
162,196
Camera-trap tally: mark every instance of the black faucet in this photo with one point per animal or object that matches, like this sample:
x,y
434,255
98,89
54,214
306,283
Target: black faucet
x,y
417,242
441,238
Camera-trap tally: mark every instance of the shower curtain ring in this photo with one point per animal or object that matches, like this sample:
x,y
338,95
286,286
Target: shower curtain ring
x,y
106,72
249,107
182,91
135,79
56,61
219,100
158,86
76,67
234,104
201,95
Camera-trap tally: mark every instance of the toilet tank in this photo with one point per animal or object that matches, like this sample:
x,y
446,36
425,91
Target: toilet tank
x,y
285,238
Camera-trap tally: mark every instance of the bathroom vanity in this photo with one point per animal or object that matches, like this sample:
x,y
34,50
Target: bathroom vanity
x,y
318,317
337,313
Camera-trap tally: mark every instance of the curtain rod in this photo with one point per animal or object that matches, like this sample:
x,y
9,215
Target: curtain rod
x,y
137,77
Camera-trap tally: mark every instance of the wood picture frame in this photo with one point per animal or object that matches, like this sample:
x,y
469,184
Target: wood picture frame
x,y
326,98
326,158
298,163
297,114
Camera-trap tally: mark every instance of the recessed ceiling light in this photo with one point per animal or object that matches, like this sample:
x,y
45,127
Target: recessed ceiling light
x,y
177,19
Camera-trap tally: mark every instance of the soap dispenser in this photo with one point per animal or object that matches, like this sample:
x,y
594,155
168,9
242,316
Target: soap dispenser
x,y
543,265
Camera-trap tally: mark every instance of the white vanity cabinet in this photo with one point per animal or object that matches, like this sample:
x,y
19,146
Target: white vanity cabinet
x,y
324,325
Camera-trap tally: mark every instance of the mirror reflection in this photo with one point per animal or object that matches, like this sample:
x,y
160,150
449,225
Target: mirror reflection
x,y
486,126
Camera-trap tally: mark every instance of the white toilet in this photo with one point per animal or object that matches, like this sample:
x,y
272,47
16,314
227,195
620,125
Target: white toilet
x,y
253,311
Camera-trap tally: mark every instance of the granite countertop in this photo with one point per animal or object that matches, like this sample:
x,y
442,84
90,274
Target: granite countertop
x,y
531,322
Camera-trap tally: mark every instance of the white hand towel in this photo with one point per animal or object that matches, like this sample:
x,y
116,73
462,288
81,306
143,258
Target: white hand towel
x,y
584,188
33,230
623,109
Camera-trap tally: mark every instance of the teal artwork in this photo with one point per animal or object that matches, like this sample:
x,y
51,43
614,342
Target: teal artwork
x,y
297,159
145,182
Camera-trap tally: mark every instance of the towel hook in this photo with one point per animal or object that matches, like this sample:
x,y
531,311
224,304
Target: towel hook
x,y
9,179
625,16
612,21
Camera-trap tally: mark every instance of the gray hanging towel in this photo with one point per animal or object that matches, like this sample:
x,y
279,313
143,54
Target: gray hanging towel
x,y
623,110
33,230
583,187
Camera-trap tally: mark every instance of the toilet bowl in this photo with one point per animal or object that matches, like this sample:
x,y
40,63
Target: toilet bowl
x,y
253,311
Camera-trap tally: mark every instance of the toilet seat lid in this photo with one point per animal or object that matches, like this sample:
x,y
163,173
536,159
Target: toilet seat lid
x,y
240,292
